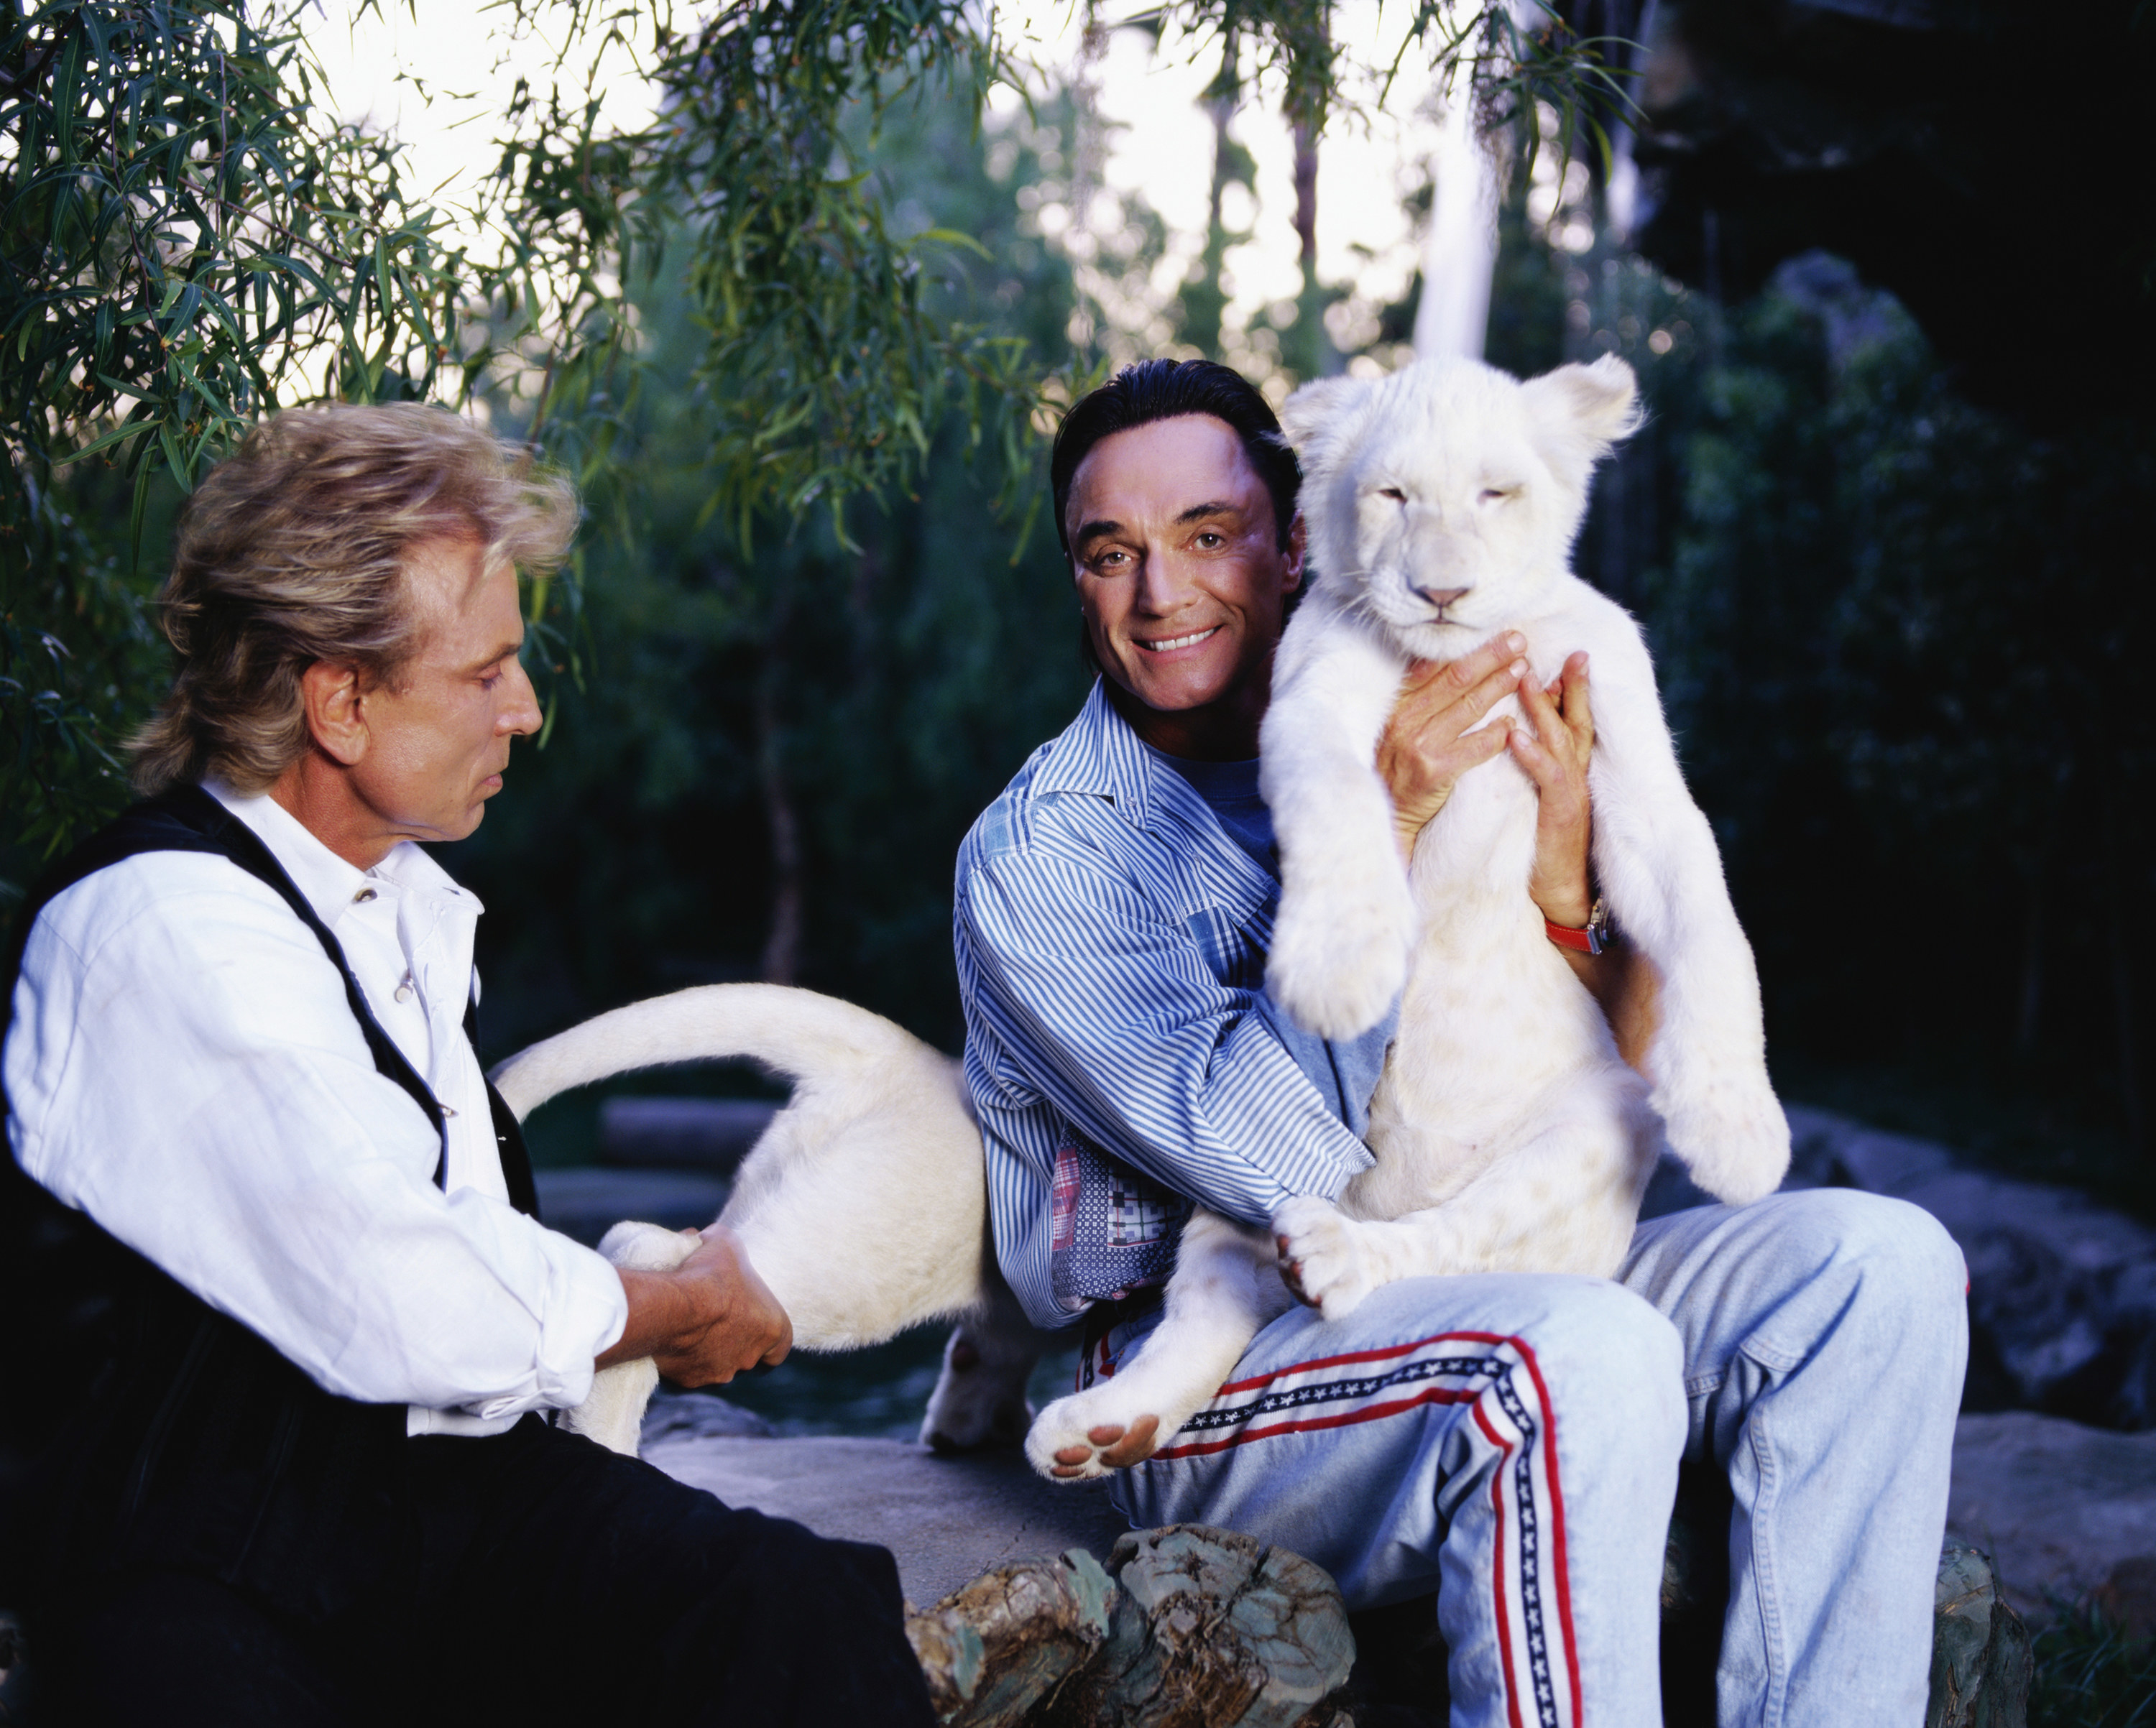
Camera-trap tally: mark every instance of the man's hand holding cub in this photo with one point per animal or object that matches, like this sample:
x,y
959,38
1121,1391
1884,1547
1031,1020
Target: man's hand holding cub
x,y
1431,741
1435,736
1554,748
708,1320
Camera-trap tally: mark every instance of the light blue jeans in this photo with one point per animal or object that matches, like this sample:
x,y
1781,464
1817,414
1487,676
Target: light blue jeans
x,y
1512,1441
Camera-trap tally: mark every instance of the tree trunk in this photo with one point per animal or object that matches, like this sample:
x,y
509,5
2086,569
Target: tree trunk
x,y
781,949
1306,199
2028,1009
2129,1061
1203,298
1316,356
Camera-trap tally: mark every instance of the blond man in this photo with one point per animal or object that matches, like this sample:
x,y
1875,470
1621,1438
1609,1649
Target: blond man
x,y
301,1474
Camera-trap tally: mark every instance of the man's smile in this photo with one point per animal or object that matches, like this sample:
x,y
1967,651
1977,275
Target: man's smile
x,y
1173,642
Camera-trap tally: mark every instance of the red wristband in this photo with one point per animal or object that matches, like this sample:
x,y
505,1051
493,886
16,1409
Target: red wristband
x,y
1590,939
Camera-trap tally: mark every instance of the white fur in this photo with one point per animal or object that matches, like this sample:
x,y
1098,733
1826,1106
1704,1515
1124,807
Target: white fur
x,y
863,1206
1509,1135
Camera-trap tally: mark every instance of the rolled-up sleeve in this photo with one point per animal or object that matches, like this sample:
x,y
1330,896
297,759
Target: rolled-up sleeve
x,y
185,1070
1108,1008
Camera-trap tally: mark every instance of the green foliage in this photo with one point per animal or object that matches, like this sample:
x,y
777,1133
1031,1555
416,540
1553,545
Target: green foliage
x,y
2091,1673
826,374
180,232
1514,70
188,240
868,702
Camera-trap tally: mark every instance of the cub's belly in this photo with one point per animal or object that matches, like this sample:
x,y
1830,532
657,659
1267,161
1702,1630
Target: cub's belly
x,y
1496,1036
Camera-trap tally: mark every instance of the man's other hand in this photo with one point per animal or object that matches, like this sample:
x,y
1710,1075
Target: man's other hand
x,y
708,1320
1555,747
1428,744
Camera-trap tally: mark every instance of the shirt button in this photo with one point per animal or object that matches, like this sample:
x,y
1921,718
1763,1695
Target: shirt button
x,y
404,989
362,897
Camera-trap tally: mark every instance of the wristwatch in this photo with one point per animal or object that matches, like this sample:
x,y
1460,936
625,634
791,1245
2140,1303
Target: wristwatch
x,y
1592,939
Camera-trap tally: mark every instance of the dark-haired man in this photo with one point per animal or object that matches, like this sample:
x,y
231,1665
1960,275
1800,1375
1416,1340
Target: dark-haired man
x,y
302,1476
1516,1437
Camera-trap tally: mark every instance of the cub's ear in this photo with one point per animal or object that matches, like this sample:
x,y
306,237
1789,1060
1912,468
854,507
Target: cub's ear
x,y
1578,413
1315,420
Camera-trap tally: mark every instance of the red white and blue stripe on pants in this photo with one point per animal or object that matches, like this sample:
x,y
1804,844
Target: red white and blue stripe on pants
x,y
1498,1379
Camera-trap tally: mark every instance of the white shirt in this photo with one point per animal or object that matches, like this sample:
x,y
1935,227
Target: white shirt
x,y
185,1068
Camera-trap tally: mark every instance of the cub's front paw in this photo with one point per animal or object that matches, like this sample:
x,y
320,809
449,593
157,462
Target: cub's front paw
x,y
1339,960
1734,1139
1090,1433
1323,1258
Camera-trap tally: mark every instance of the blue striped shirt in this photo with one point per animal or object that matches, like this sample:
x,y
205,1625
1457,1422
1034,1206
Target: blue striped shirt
x,y
1111,940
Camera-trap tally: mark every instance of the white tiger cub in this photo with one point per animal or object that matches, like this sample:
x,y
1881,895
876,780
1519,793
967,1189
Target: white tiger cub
x,y
1441,504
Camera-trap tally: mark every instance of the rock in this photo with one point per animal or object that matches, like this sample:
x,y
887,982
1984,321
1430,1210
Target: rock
x,y
707,1133
996,1649
1213,1629
587,1201
700,1416
2060,1507
1188,1628
1831,1151
948,1519
2127,1598
13,1675
2062,1292
1980,1653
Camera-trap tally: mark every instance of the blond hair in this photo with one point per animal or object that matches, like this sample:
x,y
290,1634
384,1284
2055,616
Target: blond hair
x,y
293,551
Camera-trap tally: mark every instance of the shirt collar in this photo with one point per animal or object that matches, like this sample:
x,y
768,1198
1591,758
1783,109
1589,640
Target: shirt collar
x,y
1098,753
330,884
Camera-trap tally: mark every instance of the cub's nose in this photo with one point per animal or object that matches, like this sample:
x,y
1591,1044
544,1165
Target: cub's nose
x,y
1442,597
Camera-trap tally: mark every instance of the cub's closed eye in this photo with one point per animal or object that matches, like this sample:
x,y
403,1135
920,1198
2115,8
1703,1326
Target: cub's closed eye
x,y
1393,493
1498,494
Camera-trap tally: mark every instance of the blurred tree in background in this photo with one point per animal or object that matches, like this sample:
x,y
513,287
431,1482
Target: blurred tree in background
x,y
789,335
798,338
769,771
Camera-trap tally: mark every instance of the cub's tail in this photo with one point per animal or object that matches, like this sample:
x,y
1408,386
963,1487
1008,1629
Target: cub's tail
x,y
863,1206
796,1033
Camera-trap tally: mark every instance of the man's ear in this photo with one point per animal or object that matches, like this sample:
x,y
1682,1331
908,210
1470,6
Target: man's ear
x,y
335,699
1315,420
1298,550
1579,412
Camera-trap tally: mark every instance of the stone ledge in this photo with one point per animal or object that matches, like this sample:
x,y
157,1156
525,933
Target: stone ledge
x,y
948,1519
2065,1511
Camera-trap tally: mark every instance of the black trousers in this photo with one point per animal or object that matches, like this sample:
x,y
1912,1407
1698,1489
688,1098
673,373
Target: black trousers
x,y
540,1579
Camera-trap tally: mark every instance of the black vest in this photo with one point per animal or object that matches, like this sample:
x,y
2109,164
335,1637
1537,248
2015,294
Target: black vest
x,y
144,1427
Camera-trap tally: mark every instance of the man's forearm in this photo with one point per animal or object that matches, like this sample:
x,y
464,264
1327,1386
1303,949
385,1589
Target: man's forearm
x,y
710,1318
1626,987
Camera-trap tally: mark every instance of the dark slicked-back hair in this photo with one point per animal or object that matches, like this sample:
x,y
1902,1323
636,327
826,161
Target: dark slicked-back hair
x,y
1167,390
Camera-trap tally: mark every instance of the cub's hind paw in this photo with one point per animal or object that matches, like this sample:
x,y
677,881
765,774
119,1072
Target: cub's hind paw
x,y
976,1402
1083,1436
649,1248
1324,1260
